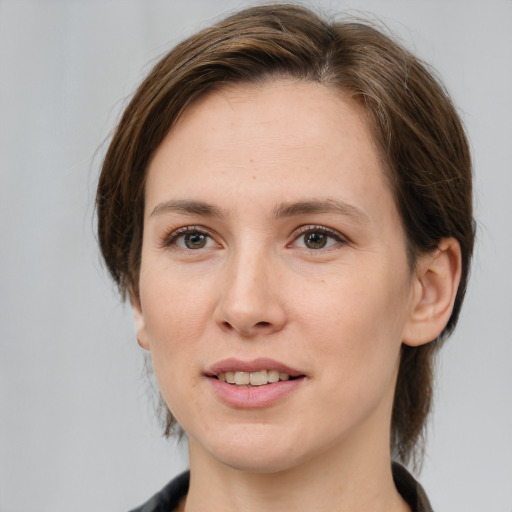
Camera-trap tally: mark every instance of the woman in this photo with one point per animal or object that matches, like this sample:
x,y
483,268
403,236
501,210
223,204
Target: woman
x,y
287,204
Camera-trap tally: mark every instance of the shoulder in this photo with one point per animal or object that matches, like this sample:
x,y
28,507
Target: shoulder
x,y
410,490
169,497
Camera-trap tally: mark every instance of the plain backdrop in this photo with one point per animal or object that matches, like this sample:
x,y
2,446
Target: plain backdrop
x,y
77,425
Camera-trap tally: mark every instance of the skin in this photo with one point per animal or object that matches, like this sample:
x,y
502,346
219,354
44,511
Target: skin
x,y
338,313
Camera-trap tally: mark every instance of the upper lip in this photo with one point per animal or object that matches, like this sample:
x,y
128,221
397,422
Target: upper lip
x,y
254,365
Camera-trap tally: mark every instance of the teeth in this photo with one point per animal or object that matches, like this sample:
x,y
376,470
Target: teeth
x,y
259,378
273,375
242,378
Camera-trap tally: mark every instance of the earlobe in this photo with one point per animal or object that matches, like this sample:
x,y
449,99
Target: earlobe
x,y
140,323
437,278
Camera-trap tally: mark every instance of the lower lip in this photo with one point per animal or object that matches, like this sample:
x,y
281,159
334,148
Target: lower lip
x,y
255,396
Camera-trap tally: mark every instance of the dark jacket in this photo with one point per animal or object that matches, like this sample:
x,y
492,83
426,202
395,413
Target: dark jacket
x,y
169,497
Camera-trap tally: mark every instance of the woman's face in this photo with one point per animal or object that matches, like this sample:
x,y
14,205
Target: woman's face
x,y
272,245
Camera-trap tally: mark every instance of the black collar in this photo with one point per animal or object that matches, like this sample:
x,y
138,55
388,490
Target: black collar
x,y
169,497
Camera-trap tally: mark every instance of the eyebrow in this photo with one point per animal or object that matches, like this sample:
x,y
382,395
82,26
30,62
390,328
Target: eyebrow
x,y
188,207
324,206
286,209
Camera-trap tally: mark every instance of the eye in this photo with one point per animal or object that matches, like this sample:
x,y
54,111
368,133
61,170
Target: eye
x,y
316,238
193,240
190,238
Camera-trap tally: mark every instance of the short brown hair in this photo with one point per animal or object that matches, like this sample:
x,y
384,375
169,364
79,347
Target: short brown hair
x,y
415,125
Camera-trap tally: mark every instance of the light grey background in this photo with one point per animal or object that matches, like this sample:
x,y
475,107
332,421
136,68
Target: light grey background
x,y
76,421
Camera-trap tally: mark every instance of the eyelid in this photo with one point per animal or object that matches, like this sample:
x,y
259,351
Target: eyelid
x,y
169,238
315,228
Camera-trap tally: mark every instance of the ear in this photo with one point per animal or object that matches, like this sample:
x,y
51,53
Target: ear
x,y
140,323
436,281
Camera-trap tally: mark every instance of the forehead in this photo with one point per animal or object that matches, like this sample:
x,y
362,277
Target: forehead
x,y
290,112
296,138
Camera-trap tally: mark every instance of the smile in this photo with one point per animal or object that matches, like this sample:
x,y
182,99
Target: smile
x,y
257,383
257,378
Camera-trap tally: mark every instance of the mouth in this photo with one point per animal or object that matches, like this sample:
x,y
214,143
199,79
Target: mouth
x,y
257,378
255,373
259,383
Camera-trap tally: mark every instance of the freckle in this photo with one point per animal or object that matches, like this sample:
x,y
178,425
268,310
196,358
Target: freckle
x,y
254,177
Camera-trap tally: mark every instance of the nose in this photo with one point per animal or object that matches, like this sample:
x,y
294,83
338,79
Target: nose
x,y
250,299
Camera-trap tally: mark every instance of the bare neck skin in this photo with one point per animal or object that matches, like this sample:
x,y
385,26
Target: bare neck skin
x,y
352,476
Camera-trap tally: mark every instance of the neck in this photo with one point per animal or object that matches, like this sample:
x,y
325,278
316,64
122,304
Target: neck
x,y
337,480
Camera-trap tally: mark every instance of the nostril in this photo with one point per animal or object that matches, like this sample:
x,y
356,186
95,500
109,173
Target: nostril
x,y
259,325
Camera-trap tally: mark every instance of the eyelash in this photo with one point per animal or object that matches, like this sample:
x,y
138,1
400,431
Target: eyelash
x,y
174,236
331,233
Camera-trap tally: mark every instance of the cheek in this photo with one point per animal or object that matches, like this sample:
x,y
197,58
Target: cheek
x,y
174,315
356,345
173,327
358,321
174,303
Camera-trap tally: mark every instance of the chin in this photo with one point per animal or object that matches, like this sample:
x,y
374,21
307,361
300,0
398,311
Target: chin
x,y
257,462
251,450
